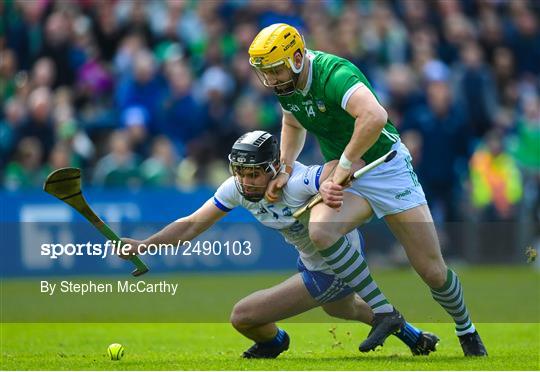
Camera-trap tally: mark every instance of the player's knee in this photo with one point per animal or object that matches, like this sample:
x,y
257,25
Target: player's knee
x,y
242,316
434,276
322,235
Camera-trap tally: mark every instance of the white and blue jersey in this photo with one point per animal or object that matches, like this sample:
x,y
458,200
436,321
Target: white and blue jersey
x,y
303,184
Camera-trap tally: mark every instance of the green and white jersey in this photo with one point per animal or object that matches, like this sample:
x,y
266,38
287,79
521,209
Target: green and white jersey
x,y
320,107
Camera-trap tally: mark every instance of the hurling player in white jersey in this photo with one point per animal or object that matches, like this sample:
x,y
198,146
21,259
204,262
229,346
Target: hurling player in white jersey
x,y
349,294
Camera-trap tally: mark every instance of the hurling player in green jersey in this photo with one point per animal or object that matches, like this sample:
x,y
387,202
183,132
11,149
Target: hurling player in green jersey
x,y
331,98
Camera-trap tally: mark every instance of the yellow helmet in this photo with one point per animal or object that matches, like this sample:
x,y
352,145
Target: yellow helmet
x,y
275,46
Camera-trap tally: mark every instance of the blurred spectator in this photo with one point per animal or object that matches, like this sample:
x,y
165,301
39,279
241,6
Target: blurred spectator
x,y
218,46
166,19
422,48
402,93
321,38
491,33
8,69
527,154
143,88
133,15
447,8
23,26
443,138
216,86
457,30
66,128
247,114
504,74
475,89
81,146
124,58
347,35
93,76
182,114
119,168
39,121
43,73
527,151
10,127
241,73
495,180
414,13
25,170
280,11
106,29
61,157
135,120
385,37
525,41
243,34
57,46
158,169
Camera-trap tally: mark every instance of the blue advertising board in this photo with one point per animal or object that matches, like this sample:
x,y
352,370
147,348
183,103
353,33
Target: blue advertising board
x,y
32,220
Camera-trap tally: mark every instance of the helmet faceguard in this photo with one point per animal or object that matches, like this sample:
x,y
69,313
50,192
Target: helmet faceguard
x,y
252,181
254,161
285,78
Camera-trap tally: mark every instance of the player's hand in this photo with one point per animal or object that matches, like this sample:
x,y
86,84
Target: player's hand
x,y
332,194
134,248
273,191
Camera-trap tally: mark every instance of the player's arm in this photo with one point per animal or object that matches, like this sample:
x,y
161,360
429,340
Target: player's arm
x,y
293,137
183,229
371,118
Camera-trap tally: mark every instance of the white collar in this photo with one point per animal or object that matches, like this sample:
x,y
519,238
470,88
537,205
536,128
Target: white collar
x,y
310,56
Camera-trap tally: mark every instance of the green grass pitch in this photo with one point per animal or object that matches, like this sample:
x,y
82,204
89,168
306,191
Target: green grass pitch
x,y
217,346
189,331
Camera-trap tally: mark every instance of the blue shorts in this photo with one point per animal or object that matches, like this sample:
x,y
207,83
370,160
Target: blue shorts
x,y
325,287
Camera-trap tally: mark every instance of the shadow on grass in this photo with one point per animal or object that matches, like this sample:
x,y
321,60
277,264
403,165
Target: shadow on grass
x,y
393,358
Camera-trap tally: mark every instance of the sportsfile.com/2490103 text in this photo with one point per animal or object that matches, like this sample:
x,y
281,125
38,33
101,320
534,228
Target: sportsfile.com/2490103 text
x,y
183,248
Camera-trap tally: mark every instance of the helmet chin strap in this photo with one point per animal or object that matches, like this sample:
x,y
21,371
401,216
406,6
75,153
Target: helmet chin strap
x,y
274,171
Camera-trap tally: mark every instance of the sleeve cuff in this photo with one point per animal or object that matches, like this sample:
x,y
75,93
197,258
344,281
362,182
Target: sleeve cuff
x,y
220,205
349,93
317,178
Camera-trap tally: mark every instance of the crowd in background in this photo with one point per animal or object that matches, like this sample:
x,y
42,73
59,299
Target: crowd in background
x,y
153,93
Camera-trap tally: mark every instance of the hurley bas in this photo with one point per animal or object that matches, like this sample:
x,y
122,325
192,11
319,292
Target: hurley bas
x,y
121,286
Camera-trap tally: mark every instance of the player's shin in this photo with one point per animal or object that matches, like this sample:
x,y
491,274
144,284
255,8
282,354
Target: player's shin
x,y
349,265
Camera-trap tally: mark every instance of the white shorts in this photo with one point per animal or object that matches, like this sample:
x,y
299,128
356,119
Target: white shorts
x,y
391,187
